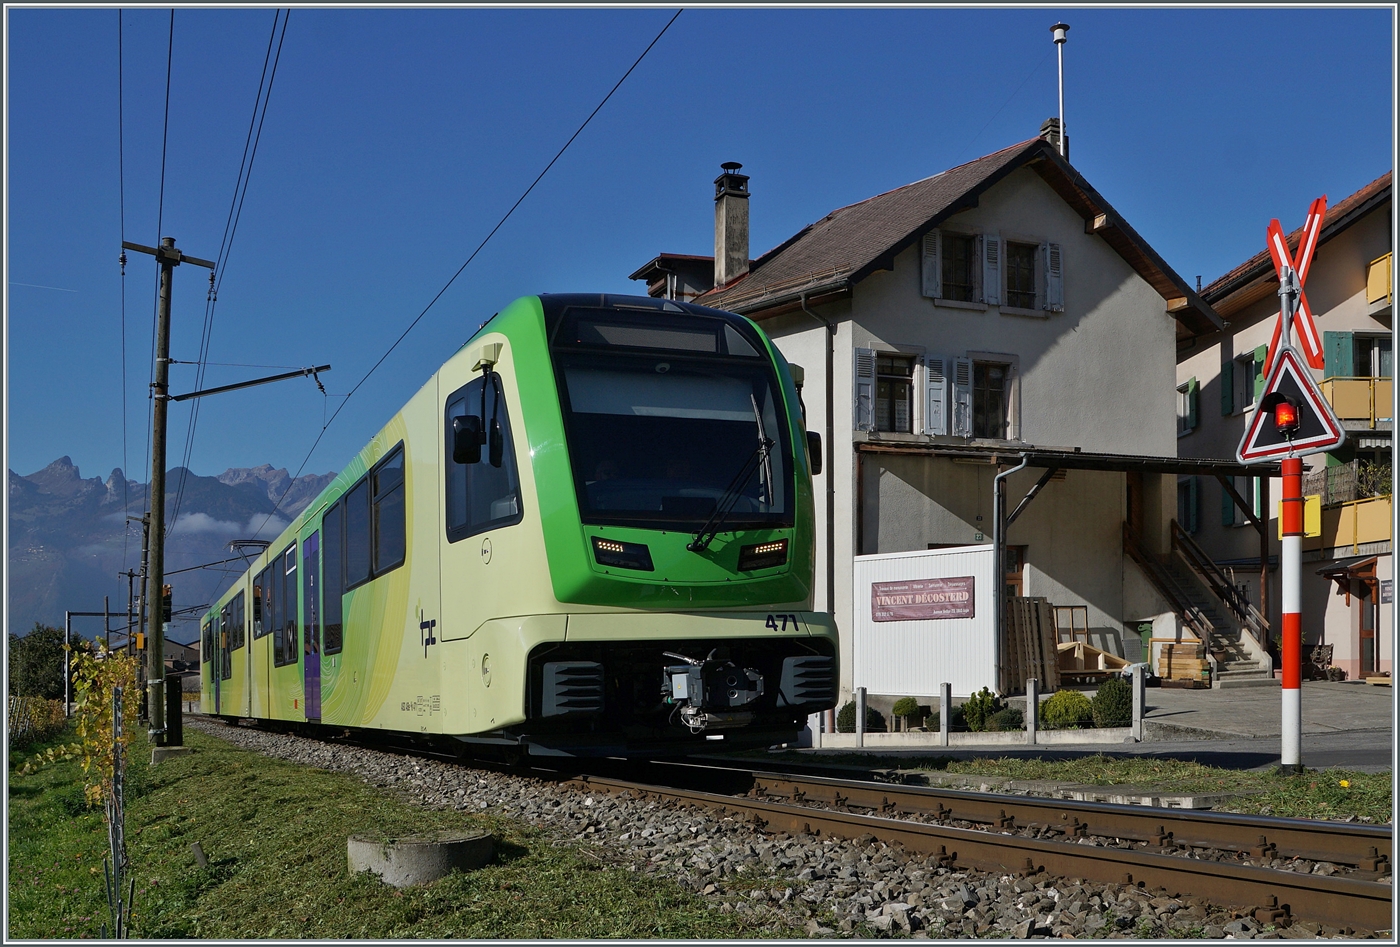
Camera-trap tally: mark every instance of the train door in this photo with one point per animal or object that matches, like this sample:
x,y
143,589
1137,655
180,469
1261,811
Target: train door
x,y
311,625
216,665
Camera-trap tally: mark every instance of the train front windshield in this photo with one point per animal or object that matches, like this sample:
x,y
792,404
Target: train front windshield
x,y
669,417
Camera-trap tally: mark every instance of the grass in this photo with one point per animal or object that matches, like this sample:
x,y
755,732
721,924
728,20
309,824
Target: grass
x,y
1318,794
274,835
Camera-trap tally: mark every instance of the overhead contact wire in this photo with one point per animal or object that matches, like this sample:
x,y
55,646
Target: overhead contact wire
x,y
473,256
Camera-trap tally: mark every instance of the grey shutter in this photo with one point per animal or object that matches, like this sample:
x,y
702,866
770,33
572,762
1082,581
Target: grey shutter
x,y
936,414
1054,277
991,269
962,397
932,265
865,390
1227,387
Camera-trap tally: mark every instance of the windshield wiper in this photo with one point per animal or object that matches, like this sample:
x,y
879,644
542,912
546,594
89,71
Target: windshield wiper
x,y
760,460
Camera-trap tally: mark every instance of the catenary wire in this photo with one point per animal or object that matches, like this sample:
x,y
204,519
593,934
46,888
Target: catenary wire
x,y
121,216
469,259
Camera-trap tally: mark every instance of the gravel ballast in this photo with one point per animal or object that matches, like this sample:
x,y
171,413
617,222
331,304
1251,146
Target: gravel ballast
x,y
830,887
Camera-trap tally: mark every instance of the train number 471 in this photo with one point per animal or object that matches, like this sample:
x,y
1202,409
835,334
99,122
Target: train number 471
x,y
773,622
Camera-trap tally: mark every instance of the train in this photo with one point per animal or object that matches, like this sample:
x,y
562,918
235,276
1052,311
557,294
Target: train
x,y
591,532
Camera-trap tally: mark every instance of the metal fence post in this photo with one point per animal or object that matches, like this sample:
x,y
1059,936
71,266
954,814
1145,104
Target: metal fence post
x,y
945,712
860,716
1139,699
1032,709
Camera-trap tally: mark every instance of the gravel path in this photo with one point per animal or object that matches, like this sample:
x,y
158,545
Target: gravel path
x,y
841,888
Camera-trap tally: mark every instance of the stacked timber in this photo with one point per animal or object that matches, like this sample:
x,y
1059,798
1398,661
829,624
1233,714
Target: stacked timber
x,y
1184,664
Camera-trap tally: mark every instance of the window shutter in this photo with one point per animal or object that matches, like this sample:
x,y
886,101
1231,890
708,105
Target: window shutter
x,y
933,269
1192,505
962,397
1054,277
936,417
1261,353
1193,397
1227,387
1227,507
865,390
1337,354
991,269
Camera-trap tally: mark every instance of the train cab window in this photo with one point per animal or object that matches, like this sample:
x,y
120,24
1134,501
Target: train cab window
x,y
333,583
225,635
357,535
206,650
237,620
389,528
283,613
261,607
480,496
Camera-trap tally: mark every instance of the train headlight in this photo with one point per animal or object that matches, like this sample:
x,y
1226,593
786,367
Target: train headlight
x,y
763,555
610,552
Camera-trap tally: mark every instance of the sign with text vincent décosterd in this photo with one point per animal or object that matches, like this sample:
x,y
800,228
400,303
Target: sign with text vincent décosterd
x,y
922,599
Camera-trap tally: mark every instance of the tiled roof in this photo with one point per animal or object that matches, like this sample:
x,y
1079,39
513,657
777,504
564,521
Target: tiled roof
x,y
1338,217
851,242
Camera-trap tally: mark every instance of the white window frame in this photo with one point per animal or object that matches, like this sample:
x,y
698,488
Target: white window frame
x,y
1013,389
1242,383
877,348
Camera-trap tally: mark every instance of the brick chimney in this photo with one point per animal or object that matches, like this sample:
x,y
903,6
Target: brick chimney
x,y
731,223
1050,131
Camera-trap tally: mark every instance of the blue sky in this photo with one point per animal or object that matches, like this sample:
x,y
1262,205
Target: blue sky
x,y
396,139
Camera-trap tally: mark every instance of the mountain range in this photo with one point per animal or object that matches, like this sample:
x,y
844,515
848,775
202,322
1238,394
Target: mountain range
x,y
71,540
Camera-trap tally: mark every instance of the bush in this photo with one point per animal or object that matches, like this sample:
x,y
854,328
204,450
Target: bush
x,y
905,707
1113,704
1007,718
933,720
1065,710
846,719
977,708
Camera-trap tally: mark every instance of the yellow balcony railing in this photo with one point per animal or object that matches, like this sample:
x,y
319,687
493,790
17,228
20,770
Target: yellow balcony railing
x,y
1359,399
1378,280
1353,524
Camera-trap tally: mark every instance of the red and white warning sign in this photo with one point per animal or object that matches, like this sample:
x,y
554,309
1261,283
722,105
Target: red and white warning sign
x,y
1304,326
1293,418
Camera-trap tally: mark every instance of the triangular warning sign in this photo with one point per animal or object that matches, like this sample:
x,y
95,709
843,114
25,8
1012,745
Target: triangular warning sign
x,y
1319,429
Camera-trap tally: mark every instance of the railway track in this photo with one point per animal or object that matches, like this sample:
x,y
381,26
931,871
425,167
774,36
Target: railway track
x,y
1257,863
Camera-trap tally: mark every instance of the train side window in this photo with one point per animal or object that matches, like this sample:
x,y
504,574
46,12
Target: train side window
x,y
333,583
290,597
388,505
238,629
260,608
225,641
480,497
357,535
206,641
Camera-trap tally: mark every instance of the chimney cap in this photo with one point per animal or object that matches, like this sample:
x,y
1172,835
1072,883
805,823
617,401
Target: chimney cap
x,y
731,166
1060,29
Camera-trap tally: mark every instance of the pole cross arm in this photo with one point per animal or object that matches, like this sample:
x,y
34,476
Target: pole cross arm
x,y
167,254
299,373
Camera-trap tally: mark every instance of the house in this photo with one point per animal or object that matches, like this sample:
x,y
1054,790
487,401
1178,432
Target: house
x,y
1347,570
997,331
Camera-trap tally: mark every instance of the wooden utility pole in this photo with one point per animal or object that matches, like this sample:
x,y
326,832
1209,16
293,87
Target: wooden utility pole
x,y
168,257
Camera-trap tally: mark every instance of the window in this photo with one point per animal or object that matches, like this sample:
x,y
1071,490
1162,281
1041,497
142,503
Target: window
x,y
989,401
1248,381
1187,397
283,582
481,497
237,629
332,555
206,638
1187,504
389,514
960,267
894,393
357,535
1371,356
262,603
1020,275
225,636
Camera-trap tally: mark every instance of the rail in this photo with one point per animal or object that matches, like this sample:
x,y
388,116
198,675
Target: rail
x,y
1245,612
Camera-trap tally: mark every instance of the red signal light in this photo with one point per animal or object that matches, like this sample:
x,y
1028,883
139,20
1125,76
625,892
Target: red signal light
x,y
1286,418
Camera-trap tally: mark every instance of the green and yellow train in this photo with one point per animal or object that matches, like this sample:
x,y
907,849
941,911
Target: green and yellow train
x,y
590,532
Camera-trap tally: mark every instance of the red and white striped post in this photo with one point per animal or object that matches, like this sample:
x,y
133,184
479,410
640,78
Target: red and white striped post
x,y
1290,565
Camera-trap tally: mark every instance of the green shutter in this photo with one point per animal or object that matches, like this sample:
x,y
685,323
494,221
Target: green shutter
x,y
1227,387
1261,353
1338,360
1193,396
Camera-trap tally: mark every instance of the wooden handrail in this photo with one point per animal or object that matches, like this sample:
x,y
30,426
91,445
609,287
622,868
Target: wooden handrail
x,y
1204,566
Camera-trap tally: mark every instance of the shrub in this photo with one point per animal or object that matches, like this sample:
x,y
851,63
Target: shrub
x,y
933,720
1007,718
977,708
1066,709
846,719
905,707
1113,704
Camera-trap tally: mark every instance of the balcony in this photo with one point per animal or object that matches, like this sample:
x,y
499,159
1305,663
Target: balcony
x,y
1345,483
1353,525
1359,402
1379,285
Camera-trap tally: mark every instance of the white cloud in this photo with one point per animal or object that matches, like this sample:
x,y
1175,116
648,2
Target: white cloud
x,y
204,523
274,526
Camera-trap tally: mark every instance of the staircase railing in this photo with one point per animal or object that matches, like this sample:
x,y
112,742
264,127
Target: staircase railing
x,y
1166,584
1245,612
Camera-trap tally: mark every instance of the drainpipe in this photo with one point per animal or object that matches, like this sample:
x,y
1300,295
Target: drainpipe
x,y
830,466
999,559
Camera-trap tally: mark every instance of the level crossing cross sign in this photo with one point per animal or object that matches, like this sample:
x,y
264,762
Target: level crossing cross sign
x,y
1313,428
1300,263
